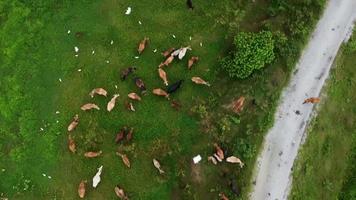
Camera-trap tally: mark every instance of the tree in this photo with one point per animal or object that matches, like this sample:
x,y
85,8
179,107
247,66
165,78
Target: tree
x,y
252,51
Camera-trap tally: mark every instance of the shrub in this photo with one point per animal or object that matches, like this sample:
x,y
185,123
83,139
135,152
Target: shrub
x,y
252,51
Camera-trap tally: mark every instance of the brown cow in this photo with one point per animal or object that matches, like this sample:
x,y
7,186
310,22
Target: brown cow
x,y
129,106
160,92
120,136
191,61
92,154
142,45
312,100
168,52
163,75
89,106
71,144
167,61
223,196
74,123
219,151
99,91
120,193
237,105
130,134
81,189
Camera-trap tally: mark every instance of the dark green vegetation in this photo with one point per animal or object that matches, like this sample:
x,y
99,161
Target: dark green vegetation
x,y
326,165
252,52
36,52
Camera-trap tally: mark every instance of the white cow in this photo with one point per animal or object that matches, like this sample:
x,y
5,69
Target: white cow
x,y
96,178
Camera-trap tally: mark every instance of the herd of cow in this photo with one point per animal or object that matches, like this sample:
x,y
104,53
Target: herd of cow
x,y
126,134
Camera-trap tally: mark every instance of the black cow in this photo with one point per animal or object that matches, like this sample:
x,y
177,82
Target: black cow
x,y
140,84
174,87
190,4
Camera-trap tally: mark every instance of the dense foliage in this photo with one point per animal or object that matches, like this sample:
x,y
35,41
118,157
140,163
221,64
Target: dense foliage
x,y
252,52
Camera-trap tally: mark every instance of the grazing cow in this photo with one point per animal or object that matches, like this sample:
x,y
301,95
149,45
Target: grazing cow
x,y
99,91
312,100
174,87
190,4
92,154
111,103
200,81
142,45
237,105
223,196
120,193
157,166
134,96
129,106
130,135
120,136
127,71
213,160
71,144
168,52
183,51
191,61
140,84
81,189
234,188
219,151
96,178
233,159
176,105
125,159
89,106
74,123
162,74
167,61
160,92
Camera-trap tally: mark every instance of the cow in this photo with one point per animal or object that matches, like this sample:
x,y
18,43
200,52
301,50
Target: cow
x,y
168,52
142,45
81,189
120,193
130,135
190,4
126,72
92,154
140,84
200,81
160,92
191,61
89,106
120,136
312,100
99,91
134,96
112,102
163,75
74,123
174,87
71,144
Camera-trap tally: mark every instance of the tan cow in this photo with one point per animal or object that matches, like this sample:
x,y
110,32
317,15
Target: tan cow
x,y
111,103
99,91
233,159
157,166
162,74
71,144
89,106
312,100
223,196
167,61
134,96
160,92
142,45
74,123
120,193
92,154
81,189
191,61
125,159
200,81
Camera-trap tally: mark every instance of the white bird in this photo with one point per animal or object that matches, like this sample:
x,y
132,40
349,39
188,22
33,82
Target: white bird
x,y
96,178
76,49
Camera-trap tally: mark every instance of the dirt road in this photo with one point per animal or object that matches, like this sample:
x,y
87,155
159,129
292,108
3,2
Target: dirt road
x,y
272,178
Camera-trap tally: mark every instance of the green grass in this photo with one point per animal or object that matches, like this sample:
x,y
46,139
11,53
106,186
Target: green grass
x,y
36,51
326,160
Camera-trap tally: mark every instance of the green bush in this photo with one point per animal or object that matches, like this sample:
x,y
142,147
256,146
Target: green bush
x,y
252,51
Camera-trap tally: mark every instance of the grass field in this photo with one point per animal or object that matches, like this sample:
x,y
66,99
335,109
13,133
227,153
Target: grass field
x,y
37,51
326,163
